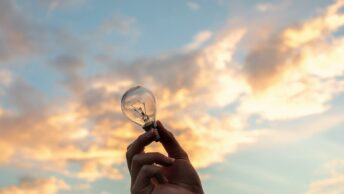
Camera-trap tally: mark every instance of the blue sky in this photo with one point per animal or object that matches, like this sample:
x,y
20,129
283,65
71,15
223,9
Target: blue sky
x,y
252,89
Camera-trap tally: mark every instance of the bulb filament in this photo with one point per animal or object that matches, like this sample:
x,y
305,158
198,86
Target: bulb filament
x,y
142,112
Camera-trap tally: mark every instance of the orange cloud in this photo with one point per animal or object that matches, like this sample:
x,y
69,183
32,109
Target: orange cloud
x,y
317,28
50,185
294,73
90,130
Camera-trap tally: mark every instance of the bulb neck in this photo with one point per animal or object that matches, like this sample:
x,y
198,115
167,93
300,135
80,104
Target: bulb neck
x,y
148,126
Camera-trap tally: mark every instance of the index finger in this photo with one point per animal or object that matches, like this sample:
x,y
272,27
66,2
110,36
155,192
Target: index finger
x,y
170,143
139,145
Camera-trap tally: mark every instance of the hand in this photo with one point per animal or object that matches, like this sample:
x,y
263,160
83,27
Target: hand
x,y
154,173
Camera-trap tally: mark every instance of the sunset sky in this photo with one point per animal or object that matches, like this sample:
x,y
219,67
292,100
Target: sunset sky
x,y
253,90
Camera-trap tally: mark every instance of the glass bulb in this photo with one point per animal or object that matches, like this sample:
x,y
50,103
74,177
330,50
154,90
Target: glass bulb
x,y
138,104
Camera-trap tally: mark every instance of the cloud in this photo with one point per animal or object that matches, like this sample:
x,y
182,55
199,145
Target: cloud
x,y
123,25
17,37
270,60
92,170
81,131
70,66
193,5
5,79
307,64
22,37
305,96
199,138
50,138
194,90
25,98
330,21
198,40
50,185
306,128
89,130
264,7
182,94
333,184
53,5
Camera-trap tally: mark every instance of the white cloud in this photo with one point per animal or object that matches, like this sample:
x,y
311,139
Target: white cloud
x,y
333,183
264,7
199,40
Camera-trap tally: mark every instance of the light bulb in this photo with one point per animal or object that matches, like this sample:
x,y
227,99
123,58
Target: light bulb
x,y
138,104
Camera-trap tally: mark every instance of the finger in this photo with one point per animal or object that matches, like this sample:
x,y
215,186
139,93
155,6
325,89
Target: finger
x,y
129,146
138,145
140,160
170,143
143,181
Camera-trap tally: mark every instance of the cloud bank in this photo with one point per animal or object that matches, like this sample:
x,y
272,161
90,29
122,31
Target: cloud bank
x,y
37,186
205,95
333,184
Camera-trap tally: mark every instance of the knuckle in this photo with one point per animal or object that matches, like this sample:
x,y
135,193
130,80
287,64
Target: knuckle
x,y
141,138
146,169
184,154
136,159
128,153
155,154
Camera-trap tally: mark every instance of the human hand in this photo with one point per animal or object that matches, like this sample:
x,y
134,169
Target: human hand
x,y
154,173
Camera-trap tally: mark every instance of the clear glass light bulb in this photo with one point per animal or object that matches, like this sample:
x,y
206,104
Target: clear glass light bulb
x,y
138,104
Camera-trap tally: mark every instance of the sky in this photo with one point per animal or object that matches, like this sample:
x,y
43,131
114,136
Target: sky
x,y
253,90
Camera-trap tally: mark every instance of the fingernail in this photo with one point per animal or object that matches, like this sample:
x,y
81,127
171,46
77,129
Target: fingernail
x,y
171,159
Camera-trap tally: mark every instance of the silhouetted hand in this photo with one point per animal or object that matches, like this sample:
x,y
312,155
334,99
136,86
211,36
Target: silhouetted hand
x,y
154,173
